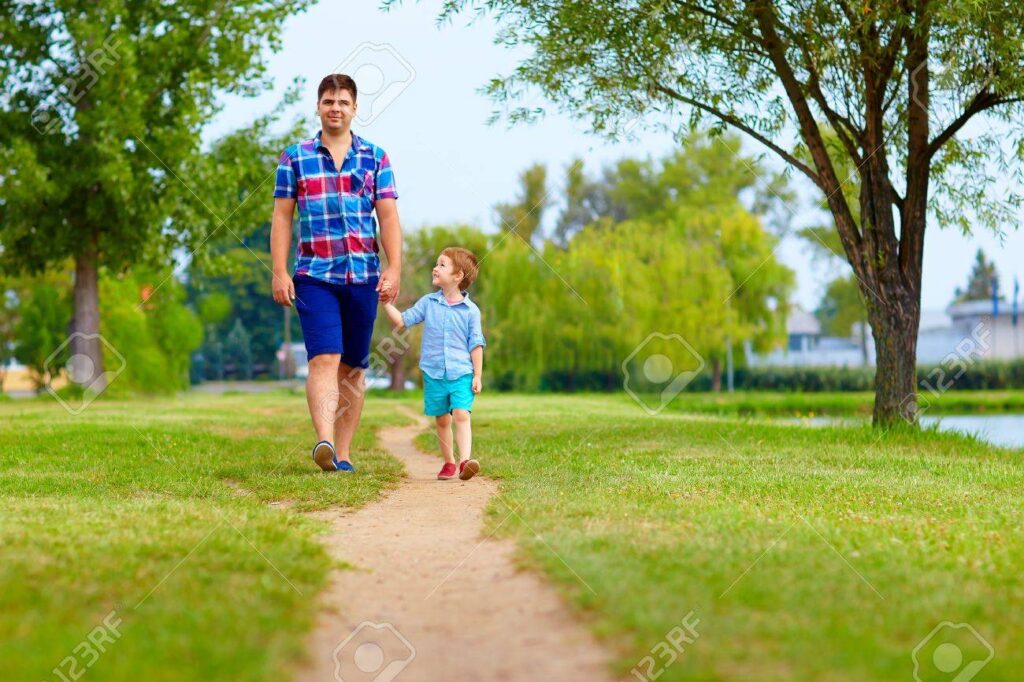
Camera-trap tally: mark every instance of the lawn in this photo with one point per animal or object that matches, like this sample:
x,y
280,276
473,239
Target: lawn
x,y
808,554
153,517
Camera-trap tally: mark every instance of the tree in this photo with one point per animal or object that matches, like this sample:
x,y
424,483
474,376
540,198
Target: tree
x,y
655,247
237,350
896,81
979,283
523,216
104,104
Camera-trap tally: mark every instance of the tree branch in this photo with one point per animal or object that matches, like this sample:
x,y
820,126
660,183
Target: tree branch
x,y
811,134
710,14
982,101
740,125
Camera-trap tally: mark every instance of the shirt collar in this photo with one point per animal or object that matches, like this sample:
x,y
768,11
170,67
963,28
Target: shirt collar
x,y
358,143
439,296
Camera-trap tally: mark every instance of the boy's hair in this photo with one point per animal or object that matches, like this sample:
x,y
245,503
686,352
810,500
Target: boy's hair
x,y
465,262
336,81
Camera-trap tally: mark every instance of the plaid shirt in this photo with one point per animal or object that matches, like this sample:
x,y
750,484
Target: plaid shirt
x,y
337,230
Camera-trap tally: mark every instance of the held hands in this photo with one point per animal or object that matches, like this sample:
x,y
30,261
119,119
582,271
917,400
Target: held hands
x,y
477,383
389,285
283,289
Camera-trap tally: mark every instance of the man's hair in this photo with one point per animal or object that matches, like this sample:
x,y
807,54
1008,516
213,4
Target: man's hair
x,y
336,81
464,262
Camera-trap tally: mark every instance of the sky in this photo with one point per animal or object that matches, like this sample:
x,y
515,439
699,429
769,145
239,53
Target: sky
x,y
419,100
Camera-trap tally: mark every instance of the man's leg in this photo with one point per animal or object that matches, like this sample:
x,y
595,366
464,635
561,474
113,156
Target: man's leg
x,y
350,389
322,393
358,307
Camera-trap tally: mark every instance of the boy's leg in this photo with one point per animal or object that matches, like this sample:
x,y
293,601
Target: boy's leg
x,y
463,434
444,437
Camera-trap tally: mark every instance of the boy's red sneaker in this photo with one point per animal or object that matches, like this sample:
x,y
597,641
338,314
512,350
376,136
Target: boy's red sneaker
x,y
447,471
468,468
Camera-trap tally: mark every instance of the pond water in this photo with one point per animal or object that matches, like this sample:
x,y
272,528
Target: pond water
x,y
1006,430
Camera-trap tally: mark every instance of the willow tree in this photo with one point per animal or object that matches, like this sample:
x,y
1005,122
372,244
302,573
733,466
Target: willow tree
x,y
899,81
104,104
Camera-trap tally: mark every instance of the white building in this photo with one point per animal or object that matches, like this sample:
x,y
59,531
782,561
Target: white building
x,y
964,329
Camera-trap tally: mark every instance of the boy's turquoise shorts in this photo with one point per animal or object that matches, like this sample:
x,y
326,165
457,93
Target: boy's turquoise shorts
x,y
441,396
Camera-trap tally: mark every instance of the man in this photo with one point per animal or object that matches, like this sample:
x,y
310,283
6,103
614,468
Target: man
x,y
338,180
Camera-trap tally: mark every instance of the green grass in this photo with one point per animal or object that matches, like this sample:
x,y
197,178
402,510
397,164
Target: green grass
x,y
157,510
776,536
807,554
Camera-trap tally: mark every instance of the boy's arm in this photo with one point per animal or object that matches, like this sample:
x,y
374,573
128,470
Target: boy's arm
x,y
395,315
410,318
477,356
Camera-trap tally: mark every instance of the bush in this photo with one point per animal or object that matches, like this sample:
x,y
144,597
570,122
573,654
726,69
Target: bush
x,y
987,375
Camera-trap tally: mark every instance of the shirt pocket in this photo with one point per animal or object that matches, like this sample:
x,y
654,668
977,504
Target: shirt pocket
x,y
360,183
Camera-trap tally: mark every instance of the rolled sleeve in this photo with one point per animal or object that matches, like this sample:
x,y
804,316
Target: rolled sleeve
x,y
476,334
415,314
385,182
285,187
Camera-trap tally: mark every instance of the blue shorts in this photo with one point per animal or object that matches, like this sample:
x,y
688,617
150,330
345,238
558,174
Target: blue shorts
x,y
337,318
441,396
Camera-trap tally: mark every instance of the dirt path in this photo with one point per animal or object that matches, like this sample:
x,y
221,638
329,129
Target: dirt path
x,y
442,601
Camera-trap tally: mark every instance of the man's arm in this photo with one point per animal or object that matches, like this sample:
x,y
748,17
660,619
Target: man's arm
x,y
391,237
477,356
280,245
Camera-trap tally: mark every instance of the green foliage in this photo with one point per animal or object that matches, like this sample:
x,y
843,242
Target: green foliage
x,y
41,328
669,250
231,283
105,104
150,332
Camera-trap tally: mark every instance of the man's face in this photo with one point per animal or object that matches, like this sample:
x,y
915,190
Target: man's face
x,y
336,108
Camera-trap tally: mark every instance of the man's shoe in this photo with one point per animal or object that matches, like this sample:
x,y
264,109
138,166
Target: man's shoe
x,y
468,468
343,465
324,455
447,472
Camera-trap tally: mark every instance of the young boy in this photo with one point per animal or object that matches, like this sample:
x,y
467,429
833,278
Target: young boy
x,y
451,355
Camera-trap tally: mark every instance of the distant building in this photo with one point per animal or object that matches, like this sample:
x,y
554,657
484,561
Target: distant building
x,y
965,329
807,347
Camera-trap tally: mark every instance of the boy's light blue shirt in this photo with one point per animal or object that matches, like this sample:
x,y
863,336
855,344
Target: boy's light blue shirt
x,y
450,331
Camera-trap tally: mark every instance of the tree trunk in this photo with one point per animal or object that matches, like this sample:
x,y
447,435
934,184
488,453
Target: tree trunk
x,y
398,373
716,374
895,333
864,343
86,348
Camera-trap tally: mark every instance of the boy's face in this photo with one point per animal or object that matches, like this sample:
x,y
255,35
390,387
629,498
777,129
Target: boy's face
x,y
444,273
336,109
